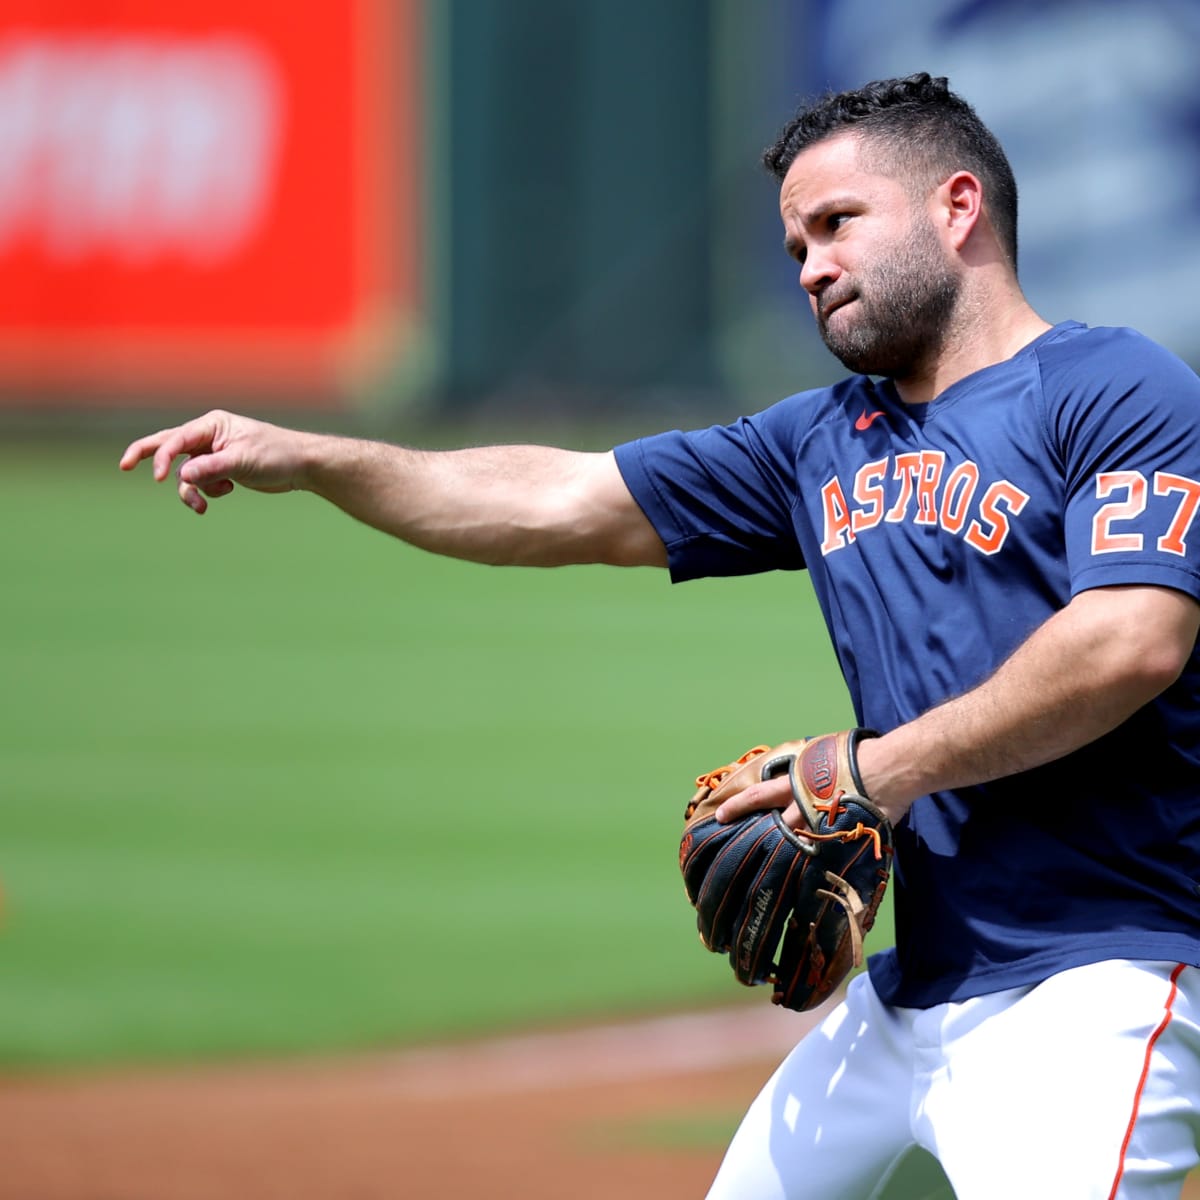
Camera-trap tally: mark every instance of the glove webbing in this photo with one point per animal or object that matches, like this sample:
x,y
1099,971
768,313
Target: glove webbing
x,y
713,779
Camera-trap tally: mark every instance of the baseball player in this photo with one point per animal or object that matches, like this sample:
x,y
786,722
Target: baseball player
x,y
998,516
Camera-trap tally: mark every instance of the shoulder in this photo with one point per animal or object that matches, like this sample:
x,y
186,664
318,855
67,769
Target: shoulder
x,y
1090,374
1104,352
1111,393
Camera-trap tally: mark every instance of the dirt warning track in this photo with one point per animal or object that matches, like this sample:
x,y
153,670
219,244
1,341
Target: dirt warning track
x,y
577,1113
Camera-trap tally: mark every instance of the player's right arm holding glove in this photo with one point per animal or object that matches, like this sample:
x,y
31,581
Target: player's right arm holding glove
x,y
1080,674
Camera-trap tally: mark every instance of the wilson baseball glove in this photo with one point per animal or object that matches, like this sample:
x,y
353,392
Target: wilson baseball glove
x,y
789,908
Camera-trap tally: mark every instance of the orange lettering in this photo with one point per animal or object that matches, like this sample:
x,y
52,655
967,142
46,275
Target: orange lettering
x,y
1174,541
868,492
1133,484
960,491
933,463
1002,492
838,531
907,468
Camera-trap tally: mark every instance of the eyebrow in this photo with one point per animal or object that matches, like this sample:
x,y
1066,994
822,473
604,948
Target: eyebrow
x,y
792,243
835,204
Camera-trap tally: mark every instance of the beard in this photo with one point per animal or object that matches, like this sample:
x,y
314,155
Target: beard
x,y
902,305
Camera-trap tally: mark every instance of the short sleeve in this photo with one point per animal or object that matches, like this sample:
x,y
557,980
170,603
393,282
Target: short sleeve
x,y
1126,421
722,499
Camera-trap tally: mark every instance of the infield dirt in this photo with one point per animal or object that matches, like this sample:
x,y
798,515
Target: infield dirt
x,y
633,1110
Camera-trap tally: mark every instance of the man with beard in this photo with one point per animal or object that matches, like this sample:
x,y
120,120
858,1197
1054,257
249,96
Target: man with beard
x,y
996,516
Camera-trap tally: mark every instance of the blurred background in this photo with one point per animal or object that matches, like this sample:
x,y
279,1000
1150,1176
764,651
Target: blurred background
x,y
270,784
393,210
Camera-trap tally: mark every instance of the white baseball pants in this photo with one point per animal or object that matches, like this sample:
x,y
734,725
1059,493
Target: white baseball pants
x,y
1084,1087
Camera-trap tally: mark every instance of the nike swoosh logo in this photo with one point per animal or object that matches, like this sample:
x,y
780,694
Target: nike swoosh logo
x,y
865,420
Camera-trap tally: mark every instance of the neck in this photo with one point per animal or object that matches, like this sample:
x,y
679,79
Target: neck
x,y
980,335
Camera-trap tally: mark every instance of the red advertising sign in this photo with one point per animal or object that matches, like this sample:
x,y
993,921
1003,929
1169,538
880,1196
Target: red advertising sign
x,y
206,194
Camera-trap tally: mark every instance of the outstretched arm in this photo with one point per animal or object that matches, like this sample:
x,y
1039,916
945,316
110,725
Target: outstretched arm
x,y
514,505
1088,668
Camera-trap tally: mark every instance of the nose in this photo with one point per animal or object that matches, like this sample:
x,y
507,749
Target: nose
x,y
819,271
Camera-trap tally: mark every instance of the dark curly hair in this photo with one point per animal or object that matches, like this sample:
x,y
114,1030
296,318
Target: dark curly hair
x,y
918,128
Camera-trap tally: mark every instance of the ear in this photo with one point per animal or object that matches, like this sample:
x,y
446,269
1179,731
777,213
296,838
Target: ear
x,y
959,205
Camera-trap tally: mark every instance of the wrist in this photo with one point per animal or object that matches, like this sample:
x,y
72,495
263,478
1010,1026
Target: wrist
x,y
880,780
323,462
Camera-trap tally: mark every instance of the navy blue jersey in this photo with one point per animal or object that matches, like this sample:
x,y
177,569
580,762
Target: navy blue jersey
x,y
937,538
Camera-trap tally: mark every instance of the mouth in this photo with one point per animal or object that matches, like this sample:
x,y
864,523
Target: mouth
x,y
829,309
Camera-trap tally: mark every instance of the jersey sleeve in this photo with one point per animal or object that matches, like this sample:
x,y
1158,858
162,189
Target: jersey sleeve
x,y
1126,421
721,498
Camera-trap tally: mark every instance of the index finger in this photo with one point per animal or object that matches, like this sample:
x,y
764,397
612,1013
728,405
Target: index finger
x,y
770,793
167,444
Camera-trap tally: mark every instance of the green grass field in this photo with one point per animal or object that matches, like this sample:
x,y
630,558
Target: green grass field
x,y
270,782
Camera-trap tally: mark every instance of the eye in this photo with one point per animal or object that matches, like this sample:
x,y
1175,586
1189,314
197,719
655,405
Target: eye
x,y
836,220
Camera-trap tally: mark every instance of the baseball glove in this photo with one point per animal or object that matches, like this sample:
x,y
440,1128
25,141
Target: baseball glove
x,y
789,908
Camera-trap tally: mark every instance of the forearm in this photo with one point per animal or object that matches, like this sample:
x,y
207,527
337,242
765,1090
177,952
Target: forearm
x,y
519,505
1078,676
514,505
